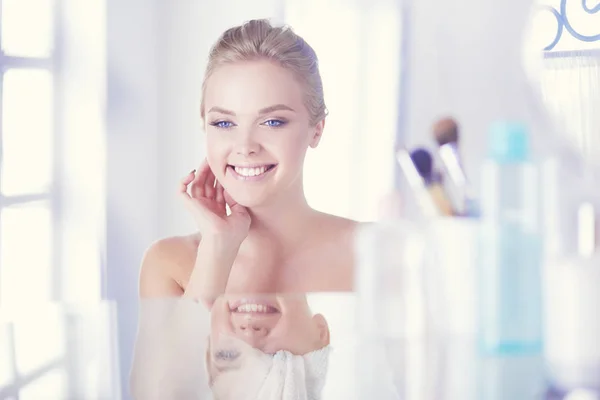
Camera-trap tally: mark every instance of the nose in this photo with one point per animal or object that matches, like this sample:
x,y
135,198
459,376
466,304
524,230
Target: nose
x,y
251,330
246,144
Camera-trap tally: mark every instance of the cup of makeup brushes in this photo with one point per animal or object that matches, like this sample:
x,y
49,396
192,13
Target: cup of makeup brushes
x,y
452,298
453,277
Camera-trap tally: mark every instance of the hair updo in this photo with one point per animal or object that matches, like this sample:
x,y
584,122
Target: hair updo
x,y
259,40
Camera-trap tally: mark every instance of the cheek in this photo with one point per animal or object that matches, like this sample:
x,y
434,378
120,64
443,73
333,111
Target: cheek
x,y
214,164
216,154
294,149
221,329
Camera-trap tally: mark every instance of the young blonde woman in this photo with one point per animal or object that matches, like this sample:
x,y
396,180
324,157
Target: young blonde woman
x,y
258,240
262,108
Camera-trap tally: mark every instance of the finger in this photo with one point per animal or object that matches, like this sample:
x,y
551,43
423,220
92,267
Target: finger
x,y
183,184
194,207
228,199
240,211
220,196
209,186
197,187
234,206
185,197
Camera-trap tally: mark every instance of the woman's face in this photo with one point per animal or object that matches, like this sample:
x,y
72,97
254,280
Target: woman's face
x,y
269,323
257,130
245,331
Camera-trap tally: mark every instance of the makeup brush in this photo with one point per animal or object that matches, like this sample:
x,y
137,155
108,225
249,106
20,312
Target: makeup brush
x,y
446,134
423,162
417,184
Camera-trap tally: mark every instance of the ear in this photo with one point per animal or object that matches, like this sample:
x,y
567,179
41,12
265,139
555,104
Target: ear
x,y
323,327
317,133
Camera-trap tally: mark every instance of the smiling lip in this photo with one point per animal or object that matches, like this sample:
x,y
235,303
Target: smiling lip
x,y
252,173
253,306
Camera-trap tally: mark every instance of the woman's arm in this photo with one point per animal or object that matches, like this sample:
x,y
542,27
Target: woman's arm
x,y
156,273
170,346
170,350
214,258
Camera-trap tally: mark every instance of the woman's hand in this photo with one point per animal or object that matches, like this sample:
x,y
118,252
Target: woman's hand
x,y
206,199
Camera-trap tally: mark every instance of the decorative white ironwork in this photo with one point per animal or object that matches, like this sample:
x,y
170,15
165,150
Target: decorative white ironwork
x,y
563,23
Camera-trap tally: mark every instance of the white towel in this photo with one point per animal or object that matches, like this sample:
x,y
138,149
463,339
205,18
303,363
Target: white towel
x,y
292,377
282,376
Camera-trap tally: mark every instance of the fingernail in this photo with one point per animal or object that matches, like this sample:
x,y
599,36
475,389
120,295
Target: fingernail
x,y
193,171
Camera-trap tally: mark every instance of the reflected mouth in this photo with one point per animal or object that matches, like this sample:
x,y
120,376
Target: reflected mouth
x,y
253,306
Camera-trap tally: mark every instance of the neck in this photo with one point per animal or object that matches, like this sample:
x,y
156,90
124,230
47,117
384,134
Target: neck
x,y
283,219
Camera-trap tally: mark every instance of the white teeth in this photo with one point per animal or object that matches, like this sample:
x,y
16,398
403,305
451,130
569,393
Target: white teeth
x,y
252,308
255,171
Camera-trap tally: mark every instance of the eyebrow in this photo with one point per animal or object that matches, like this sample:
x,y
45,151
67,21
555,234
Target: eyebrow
x,y
266,110
221,110
276,107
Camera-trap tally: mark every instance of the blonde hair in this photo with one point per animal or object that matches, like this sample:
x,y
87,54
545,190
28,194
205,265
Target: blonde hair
x,y
259,40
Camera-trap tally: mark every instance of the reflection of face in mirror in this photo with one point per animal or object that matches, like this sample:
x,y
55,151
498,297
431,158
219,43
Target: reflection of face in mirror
x,y
234,367
247,331
270,323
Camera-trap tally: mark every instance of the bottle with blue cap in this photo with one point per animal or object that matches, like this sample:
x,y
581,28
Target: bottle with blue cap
x,y
511,249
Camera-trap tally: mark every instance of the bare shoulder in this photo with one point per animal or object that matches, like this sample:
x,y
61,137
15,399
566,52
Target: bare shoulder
x,y
338,227
336,237
337,221
166,266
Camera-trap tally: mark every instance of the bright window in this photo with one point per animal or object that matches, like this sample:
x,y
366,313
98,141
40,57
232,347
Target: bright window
x,y
26,152
29,272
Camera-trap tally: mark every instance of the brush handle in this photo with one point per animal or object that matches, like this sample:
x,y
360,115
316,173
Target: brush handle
x,y
440,199
456,180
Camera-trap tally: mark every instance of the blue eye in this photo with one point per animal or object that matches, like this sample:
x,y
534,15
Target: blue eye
x,y
227,355
274,123
222,124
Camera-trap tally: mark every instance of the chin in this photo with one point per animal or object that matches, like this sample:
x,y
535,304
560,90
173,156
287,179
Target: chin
x,y
252,194
248,199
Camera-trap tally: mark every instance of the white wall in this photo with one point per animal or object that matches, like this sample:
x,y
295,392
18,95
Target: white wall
x,y
132,165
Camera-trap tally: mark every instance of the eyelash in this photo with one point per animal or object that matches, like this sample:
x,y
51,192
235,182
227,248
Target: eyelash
x,y
220,124
280,123
227,355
